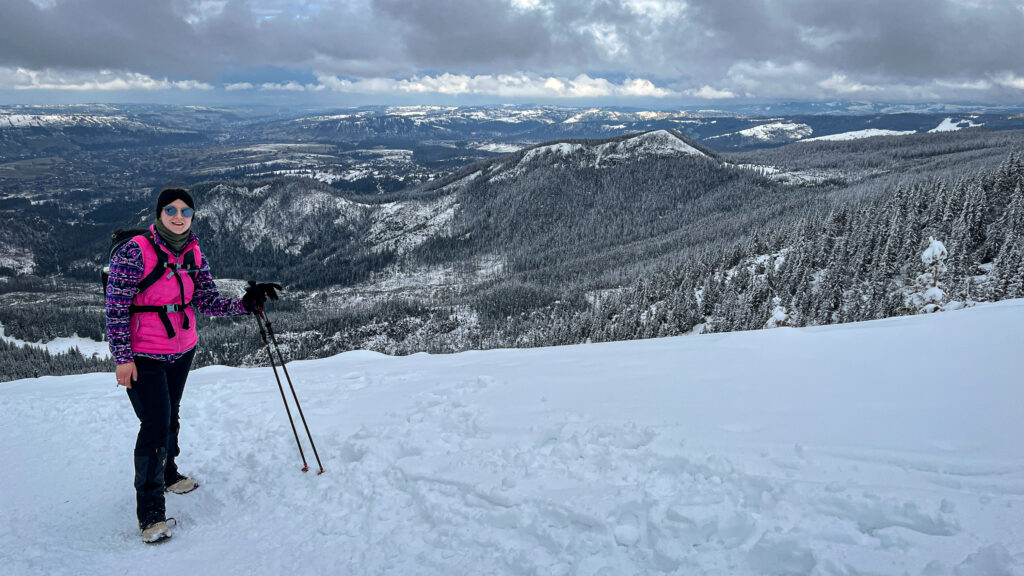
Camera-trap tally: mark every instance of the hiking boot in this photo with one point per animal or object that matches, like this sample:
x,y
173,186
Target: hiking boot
x,y
180,484
158,531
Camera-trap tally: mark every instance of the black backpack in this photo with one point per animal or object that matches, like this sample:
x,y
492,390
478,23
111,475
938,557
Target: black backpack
x,y
118,239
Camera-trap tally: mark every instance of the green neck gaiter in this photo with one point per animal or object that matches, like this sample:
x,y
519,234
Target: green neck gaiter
x,y
174,241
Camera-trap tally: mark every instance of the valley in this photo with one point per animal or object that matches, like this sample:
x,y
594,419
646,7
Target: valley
x,y
438,229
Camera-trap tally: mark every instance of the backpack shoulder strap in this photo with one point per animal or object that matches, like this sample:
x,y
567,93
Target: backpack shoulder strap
x,y
158,270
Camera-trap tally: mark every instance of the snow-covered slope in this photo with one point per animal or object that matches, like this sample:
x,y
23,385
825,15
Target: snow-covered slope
x,y
66,120
87,346
771,132
858,134
655,143
951,125
888,447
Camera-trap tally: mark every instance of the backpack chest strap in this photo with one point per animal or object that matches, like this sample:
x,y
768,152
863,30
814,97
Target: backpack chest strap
x,y
187,265
163,312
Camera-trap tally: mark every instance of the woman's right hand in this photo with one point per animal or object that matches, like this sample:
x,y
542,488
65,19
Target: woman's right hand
x,y
126,374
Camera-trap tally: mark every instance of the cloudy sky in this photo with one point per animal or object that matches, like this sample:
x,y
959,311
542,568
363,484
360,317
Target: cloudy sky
x,y
623,52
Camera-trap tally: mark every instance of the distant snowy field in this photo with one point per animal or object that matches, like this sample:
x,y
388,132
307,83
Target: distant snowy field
x,y
887,447
87,346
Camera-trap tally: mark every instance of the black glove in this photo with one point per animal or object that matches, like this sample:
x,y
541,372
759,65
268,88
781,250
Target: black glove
x,y
256,295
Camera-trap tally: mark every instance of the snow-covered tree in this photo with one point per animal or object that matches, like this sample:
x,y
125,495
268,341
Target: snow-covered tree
x,y
780,316
934,258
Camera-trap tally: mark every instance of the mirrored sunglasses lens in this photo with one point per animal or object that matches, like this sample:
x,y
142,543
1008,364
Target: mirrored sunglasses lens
x,y
185,212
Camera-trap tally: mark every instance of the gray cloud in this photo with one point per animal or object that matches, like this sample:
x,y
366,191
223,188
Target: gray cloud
x,y
794,48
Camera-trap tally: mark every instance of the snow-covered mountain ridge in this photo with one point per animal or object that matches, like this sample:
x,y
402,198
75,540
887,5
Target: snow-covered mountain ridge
x,y
598,154
265,214
854,449
67,120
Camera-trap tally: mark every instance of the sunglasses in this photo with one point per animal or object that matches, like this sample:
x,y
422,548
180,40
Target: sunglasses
x,y
173,210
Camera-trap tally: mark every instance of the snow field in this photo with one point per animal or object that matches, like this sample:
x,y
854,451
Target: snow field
x,y
888,447
87,346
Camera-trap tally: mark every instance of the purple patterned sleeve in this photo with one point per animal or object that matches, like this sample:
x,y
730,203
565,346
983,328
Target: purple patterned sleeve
x,y
207,298
125,273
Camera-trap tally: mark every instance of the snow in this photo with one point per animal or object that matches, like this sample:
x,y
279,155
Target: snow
x,y
936,252
402,226
653,143
87,346
858,134
780,316
21,261
499,148
773,132
825,451
62,120
561,149
951,125
794,177
656,143
934,294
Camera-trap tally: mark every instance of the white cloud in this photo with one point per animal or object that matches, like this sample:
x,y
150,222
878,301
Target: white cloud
x,y
607,38
503,85
823,38
239,86
191,85
202,10
289,87
752,75
642,87
526,5
709,93
658,11
964,85
841,84
104,80
1010,80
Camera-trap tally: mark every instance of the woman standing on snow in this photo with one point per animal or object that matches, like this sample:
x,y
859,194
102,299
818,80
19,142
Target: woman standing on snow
x,y
156,282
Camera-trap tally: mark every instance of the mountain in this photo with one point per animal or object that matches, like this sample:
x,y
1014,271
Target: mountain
x,y
721,130
26,135
560,241
856,449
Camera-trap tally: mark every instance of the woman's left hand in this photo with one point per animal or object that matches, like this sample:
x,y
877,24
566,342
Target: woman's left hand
x,y
256,295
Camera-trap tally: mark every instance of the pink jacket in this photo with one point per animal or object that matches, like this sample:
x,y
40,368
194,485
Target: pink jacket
x,y
148,333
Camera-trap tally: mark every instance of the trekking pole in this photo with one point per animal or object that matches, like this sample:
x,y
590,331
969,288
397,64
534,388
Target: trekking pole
x,y
270,328
263,335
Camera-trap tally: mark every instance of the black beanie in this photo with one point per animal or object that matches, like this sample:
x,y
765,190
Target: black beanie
x,y
170,195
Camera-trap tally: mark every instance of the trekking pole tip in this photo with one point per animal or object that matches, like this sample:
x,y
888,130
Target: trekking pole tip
x,y
321,471
305,468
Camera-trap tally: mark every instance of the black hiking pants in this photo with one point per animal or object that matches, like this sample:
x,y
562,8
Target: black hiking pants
x,y
156,396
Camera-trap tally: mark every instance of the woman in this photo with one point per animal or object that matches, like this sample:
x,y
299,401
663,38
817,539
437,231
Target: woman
x,y
156,282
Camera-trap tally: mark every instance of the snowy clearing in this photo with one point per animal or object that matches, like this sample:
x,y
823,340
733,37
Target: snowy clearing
x,y
859,134
886,447
772,132
950,125
87,346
